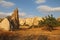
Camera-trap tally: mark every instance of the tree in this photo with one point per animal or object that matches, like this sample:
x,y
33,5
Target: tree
x,y
50,22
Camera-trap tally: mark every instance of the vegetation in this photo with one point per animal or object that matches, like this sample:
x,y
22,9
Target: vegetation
x,y
58,21
50,22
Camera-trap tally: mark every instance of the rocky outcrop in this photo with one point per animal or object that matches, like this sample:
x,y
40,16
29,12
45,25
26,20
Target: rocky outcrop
x,y
30,21
36,20
14,20
21,21
4,25
11,22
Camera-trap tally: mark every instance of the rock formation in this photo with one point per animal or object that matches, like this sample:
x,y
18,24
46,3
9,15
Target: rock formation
x,y
21,21
36,20
29,21
4,25
14,20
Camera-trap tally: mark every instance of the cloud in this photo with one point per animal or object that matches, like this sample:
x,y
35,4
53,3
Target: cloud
x,y
5,14
40,1
45,8
1,0
29,16
22,13
6,3
57,9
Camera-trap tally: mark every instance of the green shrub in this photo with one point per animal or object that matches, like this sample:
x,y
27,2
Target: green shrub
x,y
50,22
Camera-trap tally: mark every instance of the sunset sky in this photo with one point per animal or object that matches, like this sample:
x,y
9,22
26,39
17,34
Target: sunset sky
x,y
30,8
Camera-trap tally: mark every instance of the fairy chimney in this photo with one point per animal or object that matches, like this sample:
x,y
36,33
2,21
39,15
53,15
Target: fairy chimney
x,y
14,20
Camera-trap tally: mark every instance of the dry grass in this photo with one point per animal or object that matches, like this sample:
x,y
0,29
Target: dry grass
x,y
30,34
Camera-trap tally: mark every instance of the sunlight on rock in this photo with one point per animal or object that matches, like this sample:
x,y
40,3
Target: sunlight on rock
x,y
4,25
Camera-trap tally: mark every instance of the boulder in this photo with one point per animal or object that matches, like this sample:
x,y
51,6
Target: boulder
x,y
4,25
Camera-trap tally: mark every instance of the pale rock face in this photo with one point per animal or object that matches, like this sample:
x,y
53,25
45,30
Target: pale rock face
x,y
4,25
36,20
21,21
29,21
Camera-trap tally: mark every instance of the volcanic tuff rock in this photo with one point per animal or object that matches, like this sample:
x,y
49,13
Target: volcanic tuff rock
x,y
30,21
21,21
11,22
4,25
14,20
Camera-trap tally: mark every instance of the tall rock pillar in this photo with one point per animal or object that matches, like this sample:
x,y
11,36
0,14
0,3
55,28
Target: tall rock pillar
x,y
14,20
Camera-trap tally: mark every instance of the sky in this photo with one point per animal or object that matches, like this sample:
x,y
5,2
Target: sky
x,y
30,8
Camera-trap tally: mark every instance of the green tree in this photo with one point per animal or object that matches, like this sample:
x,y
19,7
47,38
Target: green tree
x,y
50,22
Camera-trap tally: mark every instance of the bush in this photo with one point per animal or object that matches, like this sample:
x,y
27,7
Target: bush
x,y
50,22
